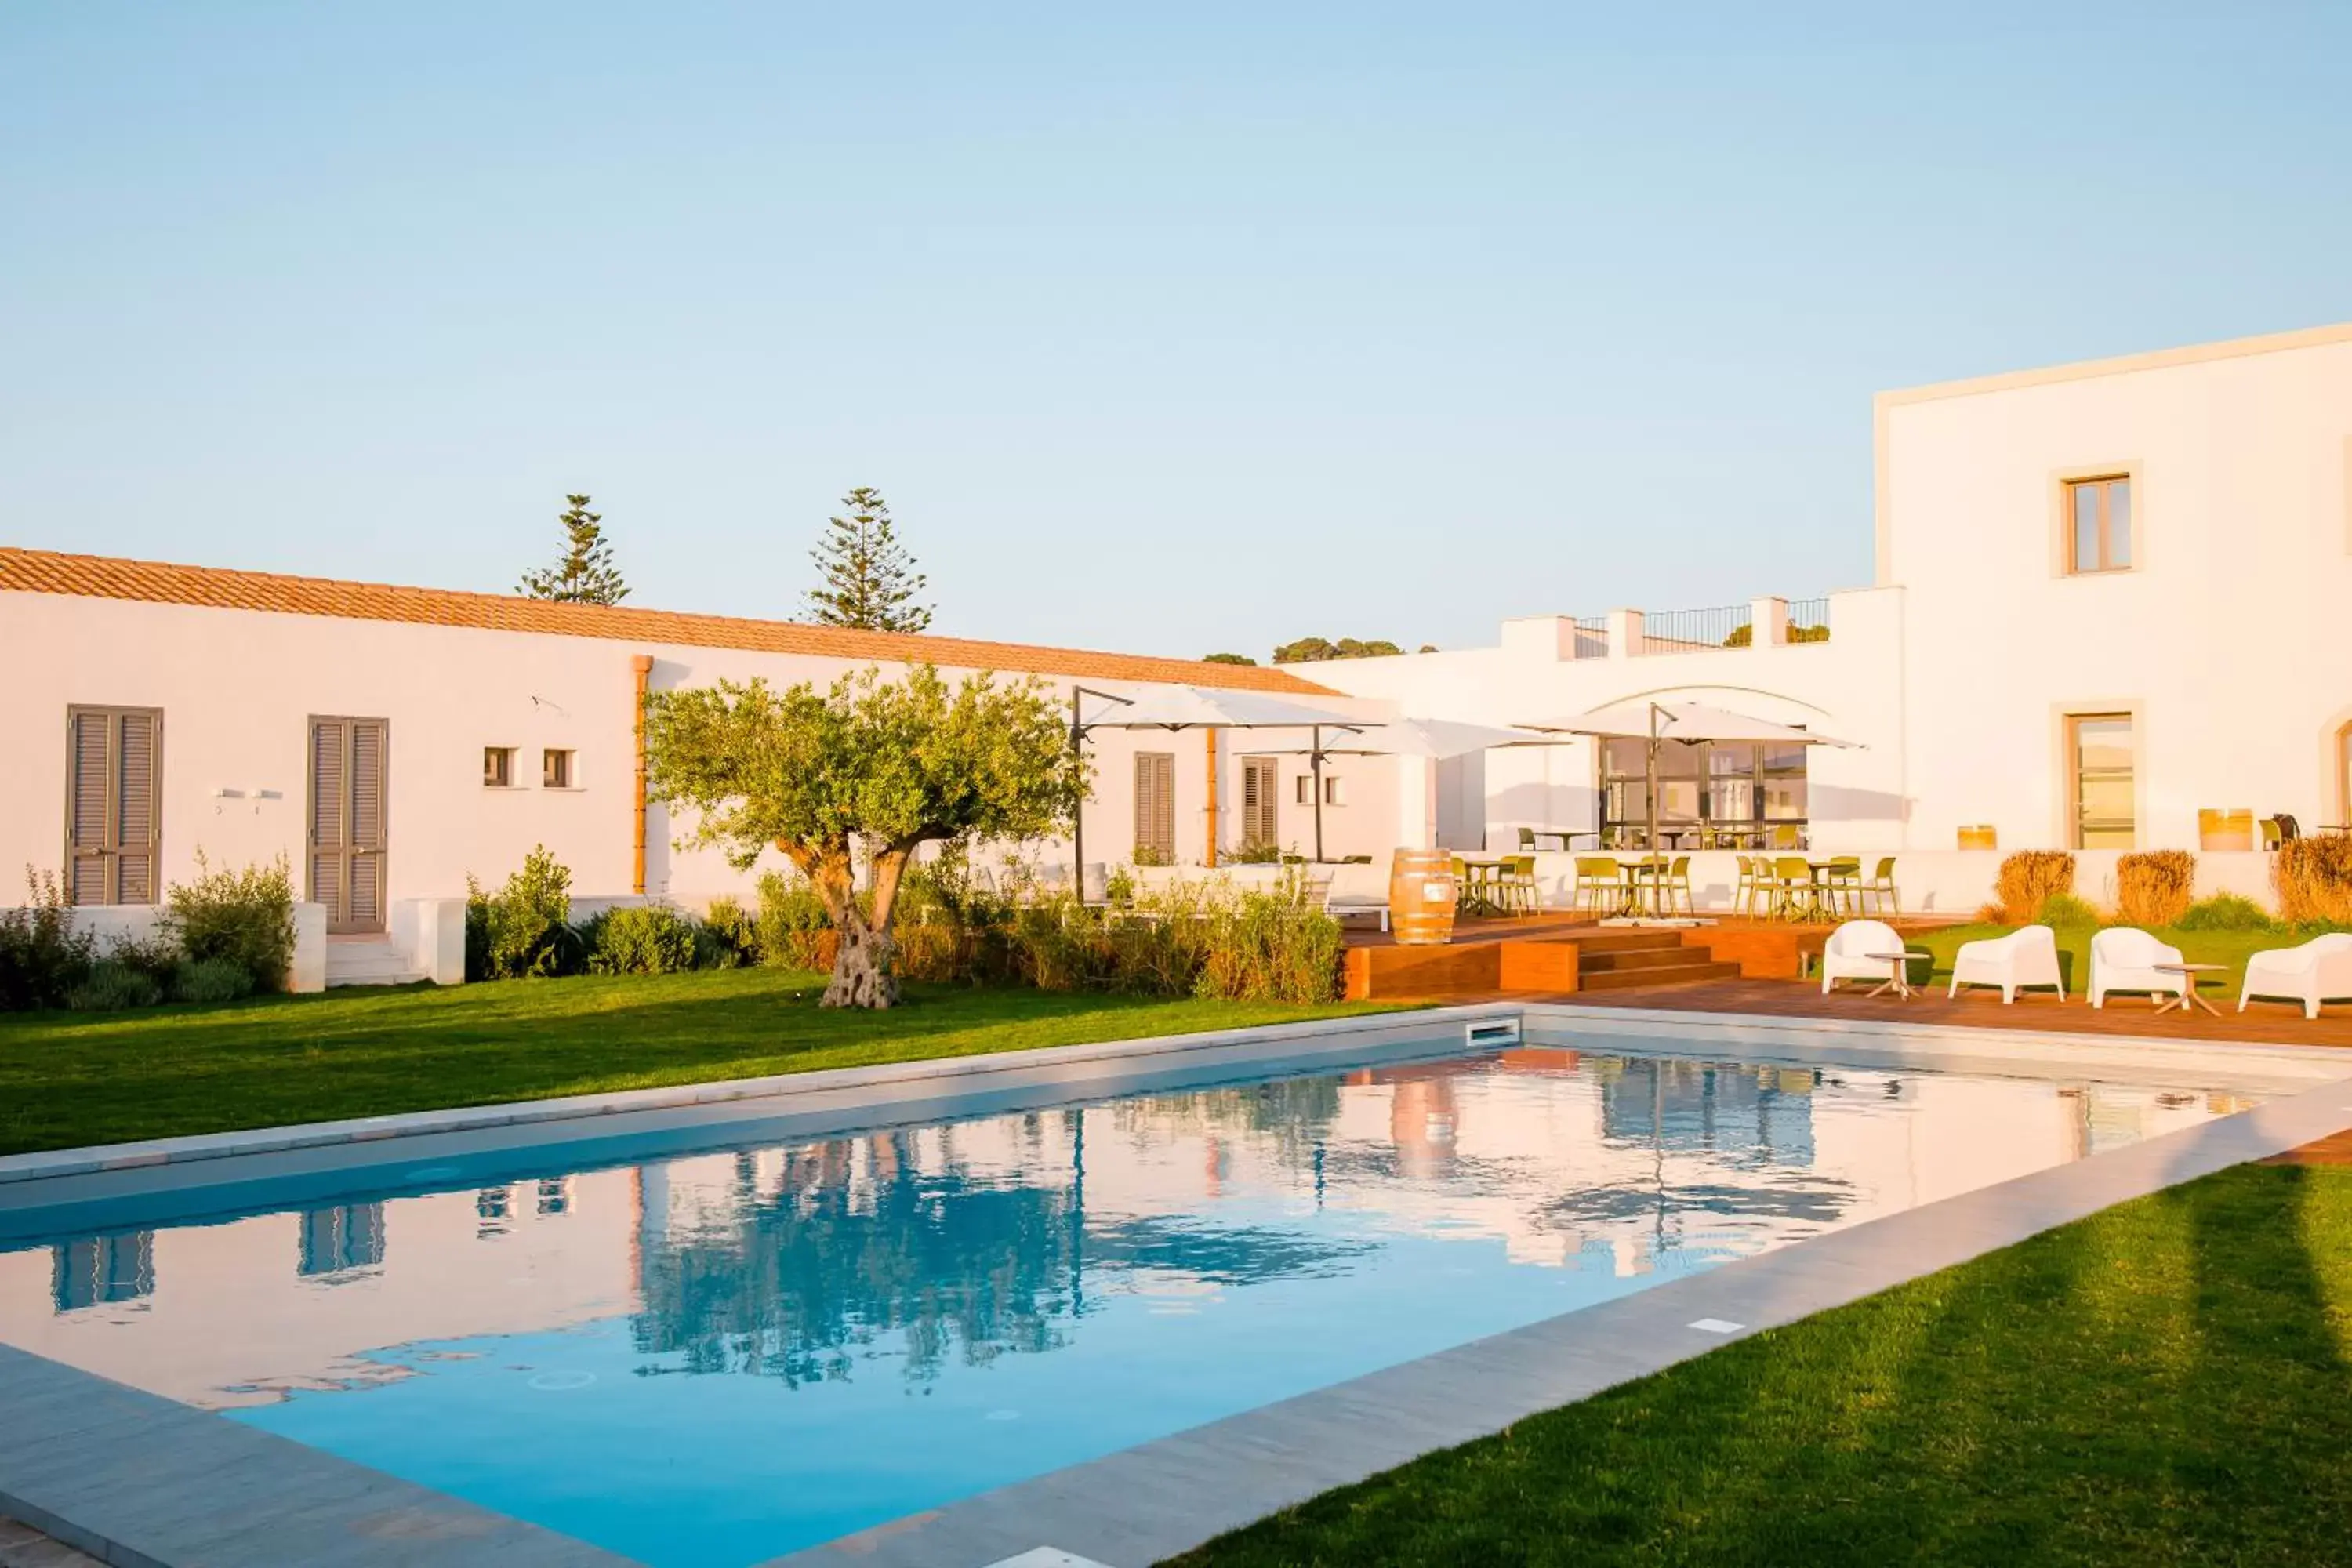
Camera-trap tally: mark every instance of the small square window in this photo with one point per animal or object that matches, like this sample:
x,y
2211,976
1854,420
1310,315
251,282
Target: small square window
x,y
1302,789
2099,524
497,767
555,769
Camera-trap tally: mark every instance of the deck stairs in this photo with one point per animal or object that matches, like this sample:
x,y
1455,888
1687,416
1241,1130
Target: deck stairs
x,y
1624,960
369,960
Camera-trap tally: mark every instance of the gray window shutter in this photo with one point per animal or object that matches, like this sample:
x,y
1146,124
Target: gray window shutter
x,y
135,810
113,805
86,878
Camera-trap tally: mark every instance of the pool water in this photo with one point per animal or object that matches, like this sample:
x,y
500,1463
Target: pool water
x,y
706,1360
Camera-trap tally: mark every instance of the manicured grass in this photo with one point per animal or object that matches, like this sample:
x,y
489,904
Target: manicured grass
x,y
74,1078
2229,947
2164,1382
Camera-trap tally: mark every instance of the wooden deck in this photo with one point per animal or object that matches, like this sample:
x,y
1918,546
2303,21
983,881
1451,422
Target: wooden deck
x,y
2263,1023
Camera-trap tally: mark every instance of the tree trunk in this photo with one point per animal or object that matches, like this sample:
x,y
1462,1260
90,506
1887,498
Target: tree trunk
x,y
863,972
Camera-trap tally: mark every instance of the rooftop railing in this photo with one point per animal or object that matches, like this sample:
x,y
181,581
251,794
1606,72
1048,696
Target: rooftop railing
x,y
1591,636
1694,631
1809,620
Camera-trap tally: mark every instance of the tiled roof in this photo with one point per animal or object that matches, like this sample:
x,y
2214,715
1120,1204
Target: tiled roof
x,y
107,577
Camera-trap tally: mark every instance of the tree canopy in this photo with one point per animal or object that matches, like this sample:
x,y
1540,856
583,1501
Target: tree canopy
x,y
1227,658
584,573
876,766
869,580
1315,650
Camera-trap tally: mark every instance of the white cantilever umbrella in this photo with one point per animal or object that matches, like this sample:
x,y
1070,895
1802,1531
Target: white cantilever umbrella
x,y
1691,723
1409,737
1174,707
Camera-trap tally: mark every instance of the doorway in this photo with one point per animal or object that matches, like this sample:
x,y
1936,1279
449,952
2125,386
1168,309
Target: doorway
x,y
350,763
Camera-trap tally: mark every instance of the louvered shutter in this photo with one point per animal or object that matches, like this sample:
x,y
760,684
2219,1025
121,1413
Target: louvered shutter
x,y
90,739
135,808
1259,825
1155,803
366,911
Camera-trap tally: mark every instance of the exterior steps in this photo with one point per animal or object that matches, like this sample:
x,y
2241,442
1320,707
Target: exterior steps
x,y
1622,960
368,960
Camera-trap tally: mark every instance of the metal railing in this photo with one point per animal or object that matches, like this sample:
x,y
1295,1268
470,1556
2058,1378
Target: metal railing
x,y
1694,631
1591,636
1809,620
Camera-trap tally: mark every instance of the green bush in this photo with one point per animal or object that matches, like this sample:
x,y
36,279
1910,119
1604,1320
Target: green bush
x,y
525,928
1276,946
646,940
2224,912
156,956
1272,945
2065,912
111,988
244,917
42,956
792,930
2313,877
210,980
726,937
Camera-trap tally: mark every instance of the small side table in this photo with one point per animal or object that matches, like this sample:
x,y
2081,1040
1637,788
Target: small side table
x,y
2188,997
1898,975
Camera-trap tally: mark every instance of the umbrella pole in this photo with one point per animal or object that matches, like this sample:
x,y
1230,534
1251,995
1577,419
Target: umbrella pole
x,y
1650,792
1078,812
1315,767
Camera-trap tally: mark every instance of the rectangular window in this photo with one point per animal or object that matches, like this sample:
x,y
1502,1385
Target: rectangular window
x,y
1261,778
497,767
337,1240
2098,525
1733,791
114,804
2100,747
555,769
1155,807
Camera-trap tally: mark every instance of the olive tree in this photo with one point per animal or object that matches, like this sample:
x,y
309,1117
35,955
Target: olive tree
x,y
881,766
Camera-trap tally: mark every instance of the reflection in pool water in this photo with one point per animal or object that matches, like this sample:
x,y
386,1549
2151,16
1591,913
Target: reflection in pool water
x,y
714,1359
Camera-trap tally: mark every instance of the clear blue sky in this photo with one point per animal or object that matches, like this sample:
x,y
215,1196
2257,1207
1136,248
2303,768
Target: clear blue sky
x,y
1169,327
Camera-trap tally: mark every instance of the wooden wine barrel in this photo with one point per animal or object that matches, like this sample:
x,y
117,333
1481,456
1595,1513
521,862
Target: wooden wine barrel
x,y
1421,894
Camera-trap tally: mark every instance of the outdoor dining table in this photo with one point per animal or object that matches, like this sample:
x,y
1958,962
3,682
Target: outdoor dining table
x,y
2188,997
1481,877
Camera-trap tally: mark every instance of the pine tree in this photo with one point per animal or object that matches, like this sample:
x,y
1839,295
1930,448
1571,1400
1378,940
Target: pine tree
x,y
870,581
585,574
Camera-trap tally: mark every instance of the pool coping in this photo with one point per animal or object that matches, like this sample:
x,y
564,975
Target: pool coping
x,y
144,1481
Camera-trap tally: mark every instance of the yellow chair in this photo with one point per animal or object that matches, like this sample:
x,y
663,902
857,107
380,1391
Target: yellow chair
x,y
1600,885
1794,895
1517,885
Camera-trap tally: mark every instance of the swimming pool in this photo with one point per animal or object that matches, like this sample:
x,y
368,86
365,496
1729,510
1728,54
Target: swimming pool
x,y
708,1359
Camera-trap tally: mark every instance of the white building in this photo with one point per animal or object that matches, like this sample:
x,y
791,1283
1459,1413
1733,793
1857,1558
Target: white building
x,y
2107,596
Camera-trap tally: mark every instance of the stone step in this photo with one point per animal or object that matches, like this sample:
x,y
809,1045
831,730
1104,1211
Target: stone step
x,y
369,963
1610,960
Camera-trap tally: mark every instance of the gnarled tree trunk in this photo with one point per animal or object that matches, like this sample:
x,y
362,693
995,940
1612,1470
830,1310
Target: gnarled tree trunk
x,y
864,960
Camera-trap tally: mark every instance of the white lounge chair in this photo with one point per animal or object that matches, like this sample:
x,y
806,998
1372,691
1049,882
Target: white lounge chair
x,y
2027,956
2123,958
1847,953
2320,970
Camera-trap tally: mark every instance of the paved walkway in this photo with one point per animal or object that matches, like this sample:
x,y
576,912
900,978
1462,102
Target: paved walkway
x,y
2269,1024
22,1546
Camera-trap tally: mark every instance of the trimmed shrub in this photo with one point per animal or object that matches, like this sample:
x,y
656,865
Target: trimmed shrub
x,y
523,928
2224,912
210,980
1184,941
1273,947
244,917
792,930
2153,887
2314,880
42,956
2029,879
111,988
647,940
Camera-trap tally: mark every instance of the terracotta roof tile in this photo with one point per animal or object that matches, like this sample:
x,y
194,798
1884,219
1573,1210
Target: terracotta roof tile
x,y
108,577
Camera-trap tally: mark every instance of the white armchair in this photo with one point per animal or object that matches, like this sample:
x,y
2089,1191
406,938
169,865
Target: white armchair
x,y
2319,970
2027,956
1847,953
2125,958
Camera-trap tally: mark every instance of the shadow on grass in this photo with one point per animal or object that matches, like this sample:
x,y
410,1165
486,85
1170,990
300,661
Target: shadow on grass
x,y
2162,1382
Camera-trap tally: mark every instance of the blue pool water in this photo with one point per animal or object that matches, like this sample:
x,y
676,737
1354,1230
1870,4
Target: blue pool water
x,y
706,1360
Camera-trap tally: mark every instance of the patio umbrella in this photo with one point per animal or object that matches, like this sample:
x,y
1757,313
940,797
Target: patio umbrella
x,y
1691,723
1408,738
1173,707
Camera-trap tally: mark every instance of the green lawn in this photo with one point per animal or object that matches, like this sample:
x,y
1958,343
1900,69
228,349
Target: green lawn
x,y
2164,1382
75,1078
2229,947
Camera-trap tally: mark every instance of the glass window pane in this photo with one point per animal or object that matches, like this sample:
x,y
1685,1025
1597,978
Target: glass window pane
x,y
2119,522
1624,758
2107,799
1784,799
2096,837
1678,800
2086,527
2104,743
